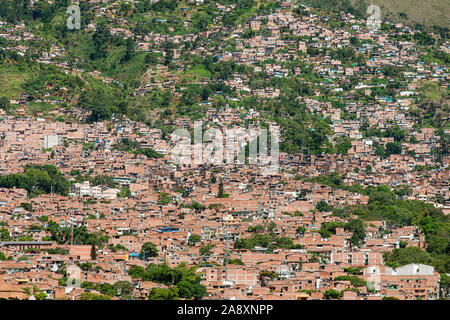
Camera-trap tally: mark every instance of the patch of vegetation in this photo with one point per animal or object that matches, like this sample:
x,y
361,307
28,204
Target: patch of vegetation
x,y
37,179
183,281
270,242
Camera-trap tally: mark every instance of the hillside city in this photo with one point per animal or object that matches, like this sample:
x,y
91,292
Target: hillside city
x,y
93,205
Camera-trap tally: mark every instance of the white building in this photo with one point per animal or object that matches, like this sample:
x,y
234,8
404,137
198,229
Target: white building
x,y
51,140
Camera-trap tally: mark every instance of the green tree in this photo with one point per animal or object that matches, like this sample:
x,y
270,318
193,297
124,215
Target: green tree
x,y
130,48
40,295
235,261
323,206
164,198
393,148
220,194
354,270
332,294
327,229
3,257
395,132
93,252
186,279
269,274
149,250
357,227
124,289
43,218
379,151
206,250
193,239
163,294
343,144
444,285
100,38
354,281
301,230
381,197
189,289
93,296
137,272
402,256
5,235
4,104
403,191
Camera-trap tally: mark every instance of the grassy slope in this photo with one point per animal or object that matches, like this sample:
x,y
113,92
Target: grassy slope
x,y
11,80
426,12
